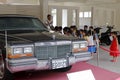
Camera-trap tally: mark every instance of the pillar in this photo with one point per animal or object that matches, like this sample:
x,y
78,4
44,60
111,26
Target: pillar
x,y
43,9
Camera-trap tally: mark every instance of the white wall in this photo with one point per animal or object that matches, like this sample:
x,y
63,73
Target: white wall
x,y
20,9
101,15
117,19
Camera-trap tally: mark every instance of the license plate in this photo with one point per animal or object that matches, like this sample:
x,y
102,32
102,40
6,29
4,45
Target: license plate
x,y
59,63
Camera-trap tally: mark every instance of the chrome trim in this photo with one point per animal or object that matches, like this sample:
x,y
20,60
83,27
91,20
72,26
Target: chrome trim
x,y
44,64
29,45
84,56
75,42
52,43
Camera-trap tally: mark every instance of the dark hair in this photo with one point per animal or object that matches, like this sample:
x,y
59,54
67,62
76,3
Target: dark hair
x,y
67,30
56,28
48,15
114,32
91,27
85,26
73,27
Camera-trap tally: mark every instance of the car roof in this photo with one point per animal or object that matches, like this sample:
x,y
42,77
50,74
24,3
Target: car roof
x,y
16,15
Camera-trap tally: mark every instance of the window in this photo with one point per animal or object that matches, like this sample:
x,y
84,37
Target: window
x,y
89,14
81,14
54,14
84,18
64,18
85,14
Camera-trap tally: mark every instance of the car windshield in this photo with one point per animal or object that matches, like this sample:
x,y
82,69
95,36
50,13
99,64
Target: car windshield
x,y
21,23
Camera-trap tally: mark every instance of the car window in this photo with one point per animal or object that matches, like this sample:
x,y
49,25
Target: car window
x,y
20,23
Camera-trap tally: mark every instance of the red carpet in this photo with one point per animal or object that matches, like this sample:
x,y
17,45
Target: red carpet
x,y
99,74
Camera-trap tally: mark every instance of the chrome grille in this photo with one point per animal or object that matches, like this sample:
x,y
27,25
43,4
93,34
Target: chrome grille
x,y
53,50
62,49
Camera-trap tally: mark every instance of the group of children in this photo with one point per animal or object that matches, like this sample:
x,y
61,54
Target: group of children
x,y
90,35
93,39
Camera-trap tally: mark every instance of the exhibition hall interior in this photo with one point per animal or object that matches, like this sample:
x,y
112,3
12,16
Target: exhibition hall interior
x,y
59,40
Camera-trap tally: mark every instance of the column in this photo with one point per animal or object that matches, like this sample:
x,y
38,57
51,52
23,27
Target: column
x,y
77,18
43,9
92,13
70,17
59,16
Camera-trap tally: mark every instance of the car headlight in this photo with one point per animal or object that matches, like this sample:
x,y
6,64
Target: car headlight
x,y
17,50
79,46
22,49
83,45
28,50
76,46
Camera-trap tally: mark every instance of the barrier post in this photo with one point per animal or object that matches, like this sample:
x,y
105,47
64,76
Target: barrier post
x,y
97,41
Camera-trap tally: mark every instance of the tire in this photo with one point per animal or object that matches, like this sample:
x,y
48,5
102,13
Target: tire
x,y
64,69
5,74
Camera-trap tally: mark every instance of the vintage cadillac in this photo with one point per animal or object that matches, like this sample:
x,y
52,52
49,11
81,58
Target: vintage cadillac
x,y
26,44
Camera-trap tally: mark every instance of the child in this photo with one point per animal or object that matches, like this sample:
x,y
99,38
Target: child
x,y
114,47
91,44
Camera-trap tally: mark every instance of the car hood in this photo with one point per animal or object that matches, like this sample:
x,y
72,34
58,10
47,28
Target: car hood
x,y
39,37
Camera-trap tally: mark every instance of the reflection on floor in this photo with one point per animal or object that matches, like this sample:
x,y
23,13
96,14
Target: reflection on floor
x,y
99,73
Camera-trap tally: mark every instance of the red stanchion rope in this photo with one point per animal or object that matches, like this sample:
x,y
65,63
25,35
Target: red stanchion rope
x,y
109,50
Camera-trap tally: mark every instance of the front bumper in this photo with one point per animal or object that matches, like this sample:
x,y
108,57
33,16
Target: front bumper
x,y
35,64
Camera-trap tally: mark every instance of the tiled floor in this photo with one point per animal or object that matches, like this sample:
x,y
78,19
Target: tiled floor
x,y
104,61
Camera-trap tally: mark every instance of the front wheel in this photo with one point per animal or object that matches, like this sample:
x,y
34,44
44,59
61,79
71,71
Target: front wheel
x,y
5,74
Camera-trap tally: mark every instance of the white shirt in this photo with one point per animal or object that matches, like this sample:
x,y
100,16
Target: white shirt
x,y
48,24
90,41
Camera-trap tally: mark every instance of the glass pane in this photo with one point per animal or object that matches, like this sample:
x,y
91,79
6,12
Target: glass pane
x,y
89,14
54,14
64,18
81,14
86,14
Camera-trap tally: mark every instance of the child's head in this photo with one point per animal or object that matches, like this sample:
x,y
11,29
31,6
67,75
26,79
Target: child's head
x,y
81,31
113,33
84,33
85,27
49,17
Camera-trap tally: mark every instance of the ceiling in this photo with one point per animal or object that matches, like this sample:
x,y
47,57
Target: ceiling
x,y
109,3
106,3
88,1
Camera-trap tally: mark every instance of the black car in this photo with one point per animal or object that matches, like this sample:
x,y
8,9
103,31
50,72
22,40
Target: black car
x,y
26,44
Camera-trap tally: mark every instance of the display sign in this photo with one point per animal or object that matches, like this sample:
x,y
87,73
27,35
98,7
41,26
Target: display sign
x,y
81,75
